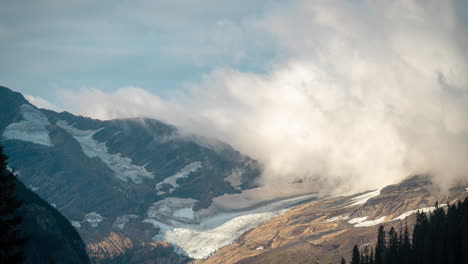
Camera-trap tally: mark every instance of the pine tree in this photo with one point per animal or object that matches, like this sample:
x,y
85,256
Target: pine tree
x,y
11,238
419,238
392,252
356,259
381,248
343,261
405,247
371,257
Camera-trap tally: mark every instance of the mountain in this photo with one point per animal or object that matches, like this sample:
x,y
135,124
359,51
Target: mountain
x,y
326,229
141,191
125,183
51,237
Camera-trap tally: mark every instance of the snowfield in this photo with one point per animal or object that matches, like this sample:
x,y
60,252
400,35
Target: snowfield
x,y
371,222
357,220
199,234
121,166
183,173
121,221
31,129
93,219
422,210
362,199
338,218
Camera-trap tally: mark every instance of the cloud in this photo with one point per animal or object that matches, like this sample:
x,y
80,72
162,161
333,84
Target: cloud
x,y
364,94
41,103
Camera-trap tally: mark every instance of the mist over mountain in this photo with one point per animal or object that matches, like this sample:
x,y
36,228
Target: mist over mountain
x,y
364,95
217,132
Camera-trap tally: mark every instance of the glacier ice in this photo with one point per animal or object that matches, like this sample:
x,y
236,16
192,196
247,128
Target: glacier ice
x,y
200,235
33,127
121,166
172,180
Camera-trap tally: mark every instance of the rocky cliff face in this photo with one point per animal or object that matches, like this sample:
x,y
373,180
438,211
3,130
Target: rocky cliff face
x,y
52,239
327,229
107,176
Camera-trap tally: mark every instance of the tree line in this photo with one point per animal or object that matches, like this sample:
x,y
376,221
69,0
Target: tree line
x,y
440,237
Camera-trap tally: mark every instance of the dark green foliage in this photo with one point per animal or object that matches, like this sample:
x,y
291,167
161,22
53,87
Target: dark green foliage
x,y
11,237
441,238
356,259
381,247
343,261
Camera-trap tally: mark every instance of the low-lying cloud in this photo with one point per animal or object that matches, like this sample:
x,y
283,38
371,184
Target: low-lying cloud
x,y
362,94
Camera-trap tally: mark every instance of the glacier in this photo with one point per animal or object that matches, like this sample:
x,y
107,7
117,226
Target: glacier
x,y
121,166
33,127
199,234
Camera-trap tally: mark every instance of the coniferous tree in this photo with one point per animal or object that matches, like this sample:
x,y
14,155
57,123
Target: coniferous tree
x,y
343,261
392,252
419,234
372,257
381,248
356,258
405,247
11,238
441,238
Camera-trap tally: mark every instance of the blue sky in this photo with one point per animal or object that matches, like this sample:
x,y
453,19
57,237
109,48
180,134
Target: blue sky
x,y
157,45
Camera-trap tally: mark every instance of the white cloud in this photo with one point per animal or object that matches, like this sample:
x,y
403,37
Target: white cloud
x,y
364,94
40,102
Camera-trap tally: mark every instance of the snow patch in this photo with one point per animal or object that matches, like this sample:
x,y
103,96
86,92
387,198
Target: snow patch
x,y
121,166
362,199
422,210
235,178
93,219
207,232
371,222
121,221
33,188
183,173
76,224
31,129
357,220
260,248
338,218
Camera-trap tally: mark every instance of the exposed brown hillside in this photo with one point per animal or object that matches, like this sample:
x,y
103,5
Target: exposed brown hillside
x,y
320,230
